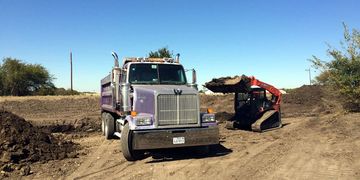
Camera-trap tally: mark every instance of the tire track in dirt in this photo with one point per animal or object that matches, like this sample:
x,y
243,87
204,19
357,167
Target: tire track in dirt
x,y
319,156
99,161
262,159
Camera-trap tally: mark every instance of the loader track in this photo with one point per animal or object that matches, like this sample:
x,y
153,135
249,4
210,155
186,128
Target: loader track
x,y
265,123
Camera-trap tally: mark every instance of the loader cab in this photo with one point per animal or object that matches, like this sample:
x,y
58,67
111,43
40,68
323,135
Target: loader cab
x,y
258,100
253,103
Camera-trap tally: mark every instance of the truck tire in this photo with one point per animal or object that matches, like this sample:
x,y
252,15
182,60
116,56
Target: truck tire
x,y
103,115
109,126
126,145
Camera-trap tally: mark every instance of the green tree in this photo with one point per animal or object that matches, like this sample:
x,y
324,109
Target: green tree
x,y
343,70
322,78
161,53
19,78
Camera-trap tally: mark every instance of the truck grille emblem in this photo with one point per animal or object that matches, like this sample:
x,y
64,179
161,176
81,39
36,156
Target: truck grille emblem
x,y
177,91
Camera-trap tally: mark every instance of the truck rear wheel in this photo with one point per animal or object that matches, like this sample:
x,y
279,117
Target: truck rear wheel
x,y
126,145
103,116
109,126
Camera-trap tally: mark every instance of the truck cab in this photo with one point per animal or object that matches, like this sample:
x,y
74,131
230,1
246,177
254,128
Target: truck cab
x,y
149,104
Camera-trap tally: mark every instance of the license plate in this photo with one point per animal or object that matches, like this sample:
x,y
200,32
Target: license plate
x,y
179,140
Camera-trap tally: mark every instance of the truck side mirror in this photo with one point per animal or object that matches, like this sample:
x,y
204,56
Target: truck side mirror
x,y
193,76
193,83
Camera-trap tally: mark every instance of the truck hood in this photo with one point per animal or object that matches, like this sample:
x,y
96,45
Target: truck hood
x,y
144,95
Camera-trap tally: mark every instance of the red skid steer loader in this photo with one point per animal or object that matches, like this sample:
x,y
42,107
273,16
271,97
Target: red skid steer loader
x,y
257,104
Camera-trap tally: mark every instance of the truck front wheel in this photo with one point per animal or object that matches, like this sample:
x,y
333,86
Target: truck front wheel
x,y
126,145
109,126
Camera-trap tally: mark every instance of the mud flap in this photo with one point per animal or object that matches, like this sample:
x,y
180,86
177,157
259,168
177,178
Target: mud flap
x,y
268,121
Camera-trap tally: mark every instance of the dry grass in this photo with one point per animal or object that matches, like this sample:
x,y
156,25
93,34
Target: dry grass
x,y
45,98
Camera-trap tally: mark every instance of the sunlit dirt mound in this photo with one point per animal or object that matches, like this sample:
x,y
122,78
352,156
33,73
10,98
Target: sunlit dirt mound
x,y
21,142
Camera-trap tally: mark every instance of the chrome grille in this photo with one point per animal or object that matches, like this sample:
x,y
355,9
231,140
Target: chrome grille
x,y
177,109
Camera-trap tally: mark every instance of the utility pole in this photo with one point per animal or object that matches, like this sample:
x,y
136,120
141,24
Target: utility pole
x,y
71,71
309,70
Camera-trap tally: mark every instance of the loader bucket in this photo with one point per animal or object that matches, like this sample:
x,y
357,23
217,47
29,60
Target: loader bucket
x,y
229,84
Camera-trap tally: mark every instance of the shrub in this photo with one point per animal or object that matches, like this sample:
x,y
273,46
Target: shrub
x,y
342,72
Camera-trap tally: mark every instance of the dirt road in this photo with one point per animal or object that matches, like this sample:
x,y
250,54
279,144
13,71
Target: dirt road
x,y
302,149
317,147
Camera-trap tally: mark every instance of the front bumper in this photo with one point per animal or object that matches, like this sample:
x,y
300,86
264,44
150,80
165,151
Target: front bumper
x,y
158,139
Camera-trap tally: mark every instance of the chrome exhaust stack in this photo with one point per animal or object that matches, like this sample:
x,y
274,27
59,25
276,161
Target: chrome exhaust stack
x,y
193,83
125,96
116,72
116,59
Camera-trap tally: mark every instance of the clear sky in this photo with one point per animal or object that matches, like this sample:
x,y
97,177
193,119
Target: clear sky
x,y
271,40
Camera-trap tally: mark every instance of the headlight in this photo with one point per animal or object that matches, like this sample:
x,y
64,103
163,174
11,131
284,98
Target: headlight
x,y
143,121
208,118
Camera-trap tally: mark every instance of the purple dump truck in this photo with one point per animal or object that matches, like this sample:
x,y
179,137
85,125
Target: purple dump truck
x,y
148,104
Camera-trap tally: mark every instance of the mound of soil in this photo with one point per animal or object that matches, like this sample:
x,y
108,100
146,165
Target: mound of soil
x,y
85,124
221,103
310,101
21,142
306,95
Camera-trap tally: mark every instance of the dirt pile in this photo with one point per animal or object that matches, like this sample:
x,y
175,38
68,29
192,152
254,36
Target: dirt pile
x,y
21,142
306,95
57,114
219,103
85,124
229,84
310,101
223,105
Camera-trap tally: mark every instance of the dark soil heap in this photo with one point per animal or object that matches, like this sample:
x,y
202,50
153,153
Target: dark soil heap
x,y
310,101
307,95
21,142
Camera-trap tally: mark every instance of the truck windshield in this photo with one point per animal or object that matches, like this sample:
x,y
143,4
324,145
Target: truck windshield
x,y
156,74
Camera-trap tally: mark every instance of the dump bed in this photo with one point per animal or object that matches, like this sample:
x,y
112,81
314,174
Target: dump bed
x,y
229,84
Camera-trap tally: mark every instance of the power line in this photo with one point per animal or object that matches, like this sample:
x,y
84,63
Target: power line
x,y
309,70
71,72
